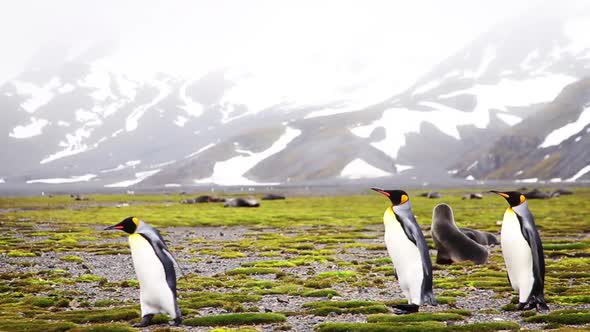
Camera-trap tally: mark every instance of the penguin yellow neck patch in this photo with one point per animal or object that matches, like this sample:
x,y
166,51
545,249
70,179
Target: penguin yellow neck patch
x,y
136,221
388,215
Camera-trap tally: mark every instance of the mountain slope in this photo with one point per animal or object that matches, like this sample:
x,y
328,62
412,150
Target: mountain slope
x,y
552,144
80,120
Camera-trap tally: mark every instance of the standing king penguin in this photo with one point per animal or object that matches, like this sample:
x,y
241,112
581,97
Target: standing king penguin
x,y
523,252
408,250
154,267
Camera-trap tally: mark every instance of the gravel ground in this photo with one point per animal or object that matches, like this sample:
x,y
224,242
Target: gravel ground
x,y
117,268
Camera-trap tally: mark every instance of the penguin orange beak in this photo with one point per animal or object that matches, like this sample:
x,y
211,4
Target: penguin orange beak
x,y
119,227
381,191
500,193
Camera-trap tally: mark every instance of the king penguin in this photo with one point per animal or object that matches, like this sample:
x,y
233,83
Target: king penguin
x,y
154,267
408,250
523,252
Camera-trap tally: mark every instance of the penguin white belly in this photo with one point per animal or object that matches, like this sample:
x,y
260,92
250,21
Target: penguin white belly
x,y
155,294
517,256
406,260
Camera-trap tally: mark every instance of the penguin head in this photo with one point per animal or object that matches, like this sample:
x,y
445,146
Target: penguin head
x,y
514,198
397,197
128,225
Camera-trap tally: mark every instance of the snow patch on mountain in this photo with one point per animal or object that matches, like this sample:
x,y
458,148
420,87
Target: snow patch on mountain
x,y
400,121
395,130
72,145
38,95
128,164
32,129
559,135
360,169
191,107
180,121
66,88
140,176
488,57
72,179
579,174
2,180
509,92
99,81
530,180
400,168
206,147
133,119
231,171
331,111
509,119
160,165
126,87
88,118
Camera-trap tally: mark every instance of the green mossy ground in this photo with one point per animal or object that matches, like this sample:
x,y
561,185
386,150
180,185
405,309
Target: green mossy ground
x,y
322,252
236,319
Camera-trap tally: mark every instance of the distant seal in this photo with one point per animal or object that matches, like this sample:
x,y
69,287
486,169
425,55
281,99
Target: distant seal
x,y
473,196
241,202
271,197
537,194
453,245
208,199
431,194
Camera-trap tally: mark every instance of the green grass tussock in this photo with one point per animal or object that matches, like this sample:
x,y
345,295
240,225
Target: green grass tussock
x,y
236,319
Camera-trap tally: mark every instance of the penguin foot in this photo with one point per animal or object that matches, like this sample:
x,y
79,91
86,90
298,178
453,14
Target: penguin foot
x,y
523,306
542,307
145,321
404,309
533,305
175,322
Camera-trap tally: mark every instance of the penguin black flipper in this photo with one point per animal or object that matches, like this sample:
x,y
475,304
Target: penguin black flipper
x,y
167,252
414,234
531,235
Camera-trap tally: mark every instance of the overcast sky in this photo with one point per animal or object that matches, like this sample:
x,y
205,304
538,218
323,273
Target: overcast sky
x,y
186,38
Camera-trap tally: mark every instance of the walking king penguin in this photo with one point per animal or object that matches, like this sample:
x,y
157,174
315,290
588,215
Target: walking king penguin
x,y
154,267
408,250
523,252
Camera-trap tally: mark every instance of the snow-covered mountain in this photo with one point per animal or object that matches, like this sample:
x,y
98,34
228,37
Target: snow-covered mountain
x,y
73,119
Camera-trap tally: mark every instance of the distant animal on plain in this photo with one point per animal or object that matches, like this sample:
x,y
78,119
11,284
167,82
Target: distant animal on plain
x,y
270,197
241,202
472,196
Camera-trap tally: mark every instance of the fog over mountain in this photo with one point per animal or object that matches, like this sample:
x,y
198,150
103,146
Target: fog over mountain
x,y
259,93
